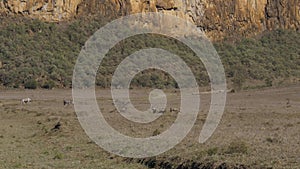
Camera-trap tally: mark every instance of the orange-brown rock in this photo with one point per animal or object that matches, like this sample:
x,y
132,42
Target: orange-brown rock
x,y
248,17
48,10
218,18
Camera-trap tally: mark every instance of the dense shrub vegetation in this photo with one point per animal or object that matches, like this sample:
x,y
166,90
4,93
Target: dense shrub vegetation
x,y
37,54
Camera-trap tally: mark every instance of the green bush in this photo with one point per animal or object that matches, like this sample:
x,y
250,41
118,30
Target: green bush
x,y
268,82
48,52
30,84
48,85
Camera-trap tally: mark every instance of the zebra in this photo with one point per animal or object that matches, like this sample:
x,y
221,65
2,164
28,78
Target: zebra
x,y
25,101
68,102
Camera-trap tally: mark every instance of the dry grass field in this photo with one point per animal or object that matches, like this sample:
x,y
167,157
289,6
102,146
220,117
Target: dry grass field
x,y
259,129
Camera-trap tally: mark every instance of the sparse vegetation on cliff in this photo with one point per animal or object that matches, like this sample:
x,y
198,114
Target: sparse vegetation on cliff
x,y
31,50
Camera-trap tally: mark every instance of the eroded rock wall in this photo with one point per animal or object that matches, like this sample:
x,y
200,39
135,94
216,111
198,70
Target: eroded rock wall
x,y
219,18
48,10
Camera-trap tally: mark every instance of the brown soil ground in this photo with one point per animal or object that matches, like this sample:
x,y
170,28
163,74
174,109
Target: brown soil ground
x,y
259,129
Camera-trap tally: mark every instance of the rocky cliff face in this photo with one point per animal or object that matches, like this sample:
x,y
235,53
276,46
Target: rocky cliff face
x,y
248,17
219,18
48,10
